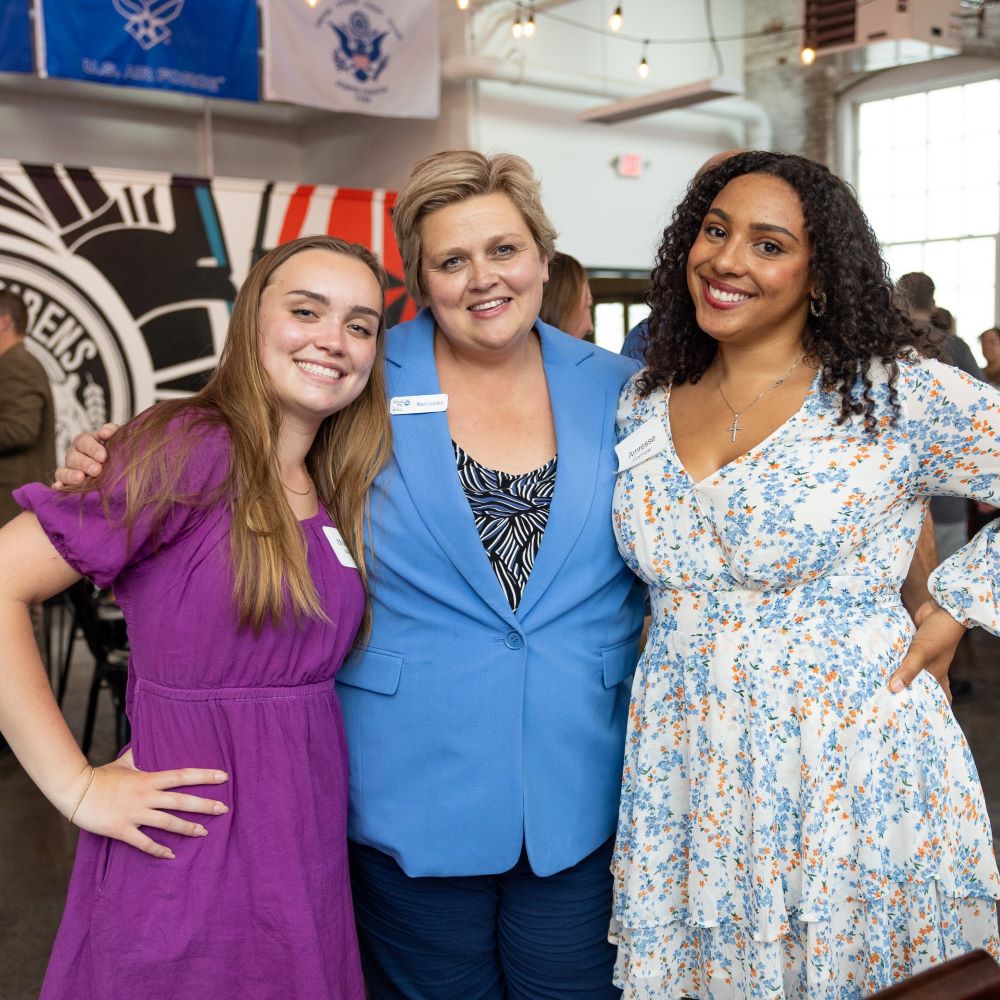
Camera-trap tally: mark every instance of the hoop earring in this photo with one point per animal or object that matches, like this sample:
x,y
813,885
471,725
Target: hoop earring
x,y
817,306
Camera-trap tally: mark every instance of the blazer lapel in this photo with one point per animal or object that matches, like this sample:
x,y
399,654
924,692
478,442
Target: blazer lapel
x,y
579,408
423,451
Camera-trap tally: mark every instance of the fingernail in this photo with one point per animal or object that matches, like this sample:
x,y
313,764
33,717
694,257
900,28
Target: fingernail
x,y
219,808
169,856
895,685
221,776
200,831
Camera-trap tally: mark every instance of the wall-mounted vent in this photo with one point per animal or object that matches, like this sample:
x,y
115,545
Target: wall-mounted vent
x,y
842,25
830,25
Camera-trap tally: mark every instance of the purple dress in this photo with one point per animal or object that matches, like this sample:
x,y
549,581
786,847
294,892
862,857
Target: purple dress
x,y
261,907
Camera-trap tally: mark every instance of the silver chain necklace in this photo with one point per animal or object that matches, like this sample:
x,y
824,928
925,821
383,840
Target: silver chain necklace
x,y
735,428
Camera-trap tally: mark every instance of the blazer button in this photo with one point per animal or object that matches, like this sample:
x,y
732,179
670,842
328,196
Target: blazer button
x,y
513,640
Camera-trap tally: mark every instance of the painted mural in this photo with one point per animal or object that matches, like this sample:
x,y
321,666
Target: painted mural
x,y
129,277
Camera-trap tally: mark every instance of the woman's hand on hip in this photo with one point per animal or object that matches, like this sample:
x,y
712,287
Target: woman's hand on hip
x,y
932,648
120,798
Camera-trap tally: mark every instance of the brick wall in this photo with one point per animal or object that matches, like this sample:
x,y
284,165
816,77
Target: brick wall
x,y
802,100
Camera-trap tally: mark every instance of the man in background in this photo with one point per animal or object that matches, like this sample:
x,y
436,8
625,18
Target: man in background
x,y
990,342
917,291
27,418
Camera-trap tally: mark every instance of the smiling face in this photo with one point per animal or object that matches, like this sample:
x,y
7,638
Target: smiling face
x,y
748,271
318,323
482,273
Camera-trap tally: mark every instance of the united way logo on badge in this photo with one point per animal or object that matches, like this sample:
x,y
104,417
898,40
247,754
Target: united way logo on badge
x,y
146,20
360,50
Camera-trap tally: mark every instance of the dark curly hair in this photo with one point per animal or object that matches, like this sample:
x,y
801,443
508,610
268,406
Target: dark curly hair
x,y
862,319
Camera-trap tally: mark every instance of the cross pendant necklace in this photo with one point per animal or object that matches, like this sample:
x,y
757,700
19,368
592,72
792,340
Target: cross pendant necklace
x,y
736,427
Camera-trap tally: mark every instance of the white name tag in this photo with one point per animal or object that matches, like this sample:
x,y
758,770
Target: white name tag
x,y
339,547
419,404
647,441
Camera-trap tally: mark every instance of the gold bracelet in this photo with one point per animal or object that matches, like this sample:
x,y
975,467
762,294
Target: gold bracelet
x,y
79,802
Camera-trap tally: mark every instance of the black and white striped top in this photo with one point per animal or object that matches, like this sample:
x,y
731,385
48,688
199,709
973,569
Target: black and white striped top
x,y
511,512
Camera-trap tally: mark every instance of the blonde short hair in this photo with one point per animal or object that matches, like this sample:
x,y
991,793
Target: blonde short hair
x,y
452,175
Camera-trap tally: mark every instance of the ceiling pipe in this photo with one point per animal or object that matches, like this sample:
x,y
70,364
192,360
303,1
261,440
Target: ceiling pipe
x,y
461,68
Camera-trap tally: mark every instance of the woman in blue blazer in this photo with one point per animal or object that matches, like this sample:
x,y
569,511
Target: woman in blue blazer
x,y
486,712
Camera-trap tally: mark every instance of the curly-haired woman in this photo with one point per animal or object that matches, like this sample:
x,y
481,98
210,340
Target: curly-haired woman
x,y
791,825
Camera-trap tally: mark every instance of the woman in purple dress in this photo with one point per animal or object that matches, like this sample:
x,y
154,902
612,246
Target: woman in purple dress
x,y
229,526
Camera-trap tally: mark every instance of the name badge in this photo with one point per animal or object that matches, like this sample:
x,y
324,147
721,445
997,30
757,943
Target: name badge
x,y
419,404
339,547
647,441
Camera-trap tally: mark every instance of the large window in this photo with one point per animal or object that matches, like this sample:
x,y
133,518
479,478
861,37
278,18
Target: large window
x,y
928,176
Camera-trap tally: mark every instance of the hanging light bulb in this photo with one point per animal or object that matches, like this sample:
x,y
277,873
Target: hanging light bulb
x,y
529,25
312,3
808,55
643,68
616,20
462,4
517,28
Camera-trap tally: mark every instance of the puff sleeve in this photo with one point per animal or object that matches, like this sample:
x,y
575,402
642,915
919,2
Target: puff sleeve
x,y
87,528
953,424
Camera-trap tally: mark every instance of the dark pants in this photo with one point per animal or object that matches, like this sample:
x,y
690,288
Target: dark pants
x,y
485,937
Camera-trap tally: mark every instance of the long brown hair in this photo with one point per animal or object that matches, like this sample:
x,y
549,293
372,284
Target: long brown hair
x,y
563,291
266,542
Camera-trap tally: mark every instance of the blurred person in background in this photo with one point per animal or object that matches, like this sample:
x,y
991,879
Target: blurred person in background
x,y
27,421
950,514
566,298
989,341
27,418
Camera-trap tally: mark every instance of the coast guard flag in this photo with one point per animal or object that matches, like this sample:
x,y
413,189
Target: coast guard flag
x,y
15,37
204,47
373,58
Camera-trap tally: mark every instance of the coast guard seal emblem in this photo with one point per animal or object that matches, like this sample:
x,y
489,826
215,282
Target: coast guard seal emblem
x,y
360,49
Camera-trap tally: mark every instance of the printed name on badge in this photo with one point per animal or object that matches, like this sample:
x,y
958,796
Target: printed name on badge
x,y
647,441
419,404
339,547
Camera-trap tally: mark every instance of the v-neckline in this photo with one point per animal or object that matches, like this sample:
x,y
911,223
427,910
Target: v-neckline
x,y
761,445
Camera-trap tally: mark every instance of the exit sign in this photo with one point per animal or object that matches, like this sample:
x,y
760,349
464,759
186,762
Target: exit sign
x,y
628,165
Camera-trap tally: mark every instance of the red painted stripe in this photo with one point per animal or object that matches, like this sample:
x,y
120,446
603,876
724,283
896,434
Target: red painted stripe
x,y
392,260
295,213
351,216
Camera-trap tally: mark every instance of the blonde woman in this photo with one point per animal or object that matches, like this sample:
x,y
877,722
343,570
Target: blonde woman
x,y
229,526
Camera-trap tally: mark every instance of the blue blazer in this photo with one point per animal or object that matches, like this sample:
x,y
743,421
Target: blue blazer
x,y
473,729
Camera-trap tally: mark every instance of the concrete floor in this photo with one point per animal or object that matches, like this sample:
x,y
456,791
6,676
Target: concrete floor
x,y
37,844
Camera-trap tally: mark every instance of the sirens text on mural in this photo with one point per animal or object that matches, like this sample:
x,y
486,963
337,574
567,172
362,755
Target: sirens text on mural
x,y
60,333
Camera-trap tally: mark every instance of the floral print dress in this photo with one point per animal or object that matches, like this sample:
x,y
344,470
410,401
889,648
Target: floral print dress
x,y
788,826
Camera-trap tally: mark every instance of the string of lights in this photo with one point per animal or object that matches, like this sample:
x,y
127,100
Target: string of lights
x,y
617,20
525,28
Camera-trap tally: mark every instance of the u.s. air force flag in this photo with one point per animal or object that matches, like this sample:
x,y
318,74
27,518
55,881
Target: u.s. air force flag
x,y
15,37
204,47
374,58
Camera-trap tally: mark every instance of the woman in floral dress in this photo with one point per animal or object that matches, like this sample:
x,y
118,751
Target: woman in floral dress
x,y
790,826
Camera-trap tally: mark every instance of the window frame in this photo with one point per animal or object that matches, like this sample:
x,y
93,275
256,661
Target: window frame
x,y
901,81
